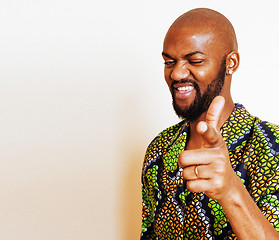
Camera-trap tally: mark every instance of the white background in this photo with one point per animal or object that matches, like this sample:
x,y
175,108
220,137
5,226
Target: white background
x,y
82,94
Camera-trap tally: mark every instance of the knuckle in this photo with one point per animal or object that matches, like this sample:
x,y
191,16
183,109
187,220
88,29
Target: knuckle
x,y
220,167
221,157
180,159
191,186
220,171
184,174
210,116
195,186
218,185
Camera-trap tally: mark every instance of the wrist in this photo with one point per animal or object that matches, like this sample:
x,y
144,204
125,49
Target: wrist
x,y
234,197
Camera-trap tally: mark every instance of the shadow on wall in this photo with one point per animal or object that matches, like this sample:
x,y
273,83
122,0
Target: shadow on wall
x,y
131,198
132,146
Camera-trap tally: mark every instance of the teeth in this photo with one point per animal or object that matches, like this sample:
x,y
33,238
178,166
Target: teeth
x,y
187,88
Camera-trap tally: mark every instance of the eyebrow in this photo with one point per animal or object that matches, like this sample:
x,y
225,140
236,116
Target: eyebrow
x,y
186,56
193,53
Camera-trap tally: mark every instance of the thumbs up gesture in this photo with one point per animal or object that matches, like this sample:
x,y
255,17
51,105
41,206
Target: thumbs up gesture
x,y
208,169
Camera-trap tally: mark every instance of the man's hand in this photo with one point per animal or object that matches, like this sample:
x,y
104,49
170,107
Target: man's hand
x,y
208,169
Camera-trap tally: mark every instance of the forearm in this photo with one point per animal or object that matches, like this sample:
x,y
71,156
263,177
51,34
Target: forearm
x,y
245,217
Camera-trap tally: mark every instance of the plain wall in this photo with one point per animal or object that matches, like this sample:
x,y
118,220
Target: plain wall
x,y
82,94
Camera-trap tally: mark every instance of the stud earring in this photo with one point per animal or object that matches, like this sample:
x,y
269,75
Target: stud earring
x,y
230,72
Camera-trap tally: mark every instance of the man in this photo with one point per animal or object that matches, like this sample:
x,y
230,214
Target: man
x,y
215,174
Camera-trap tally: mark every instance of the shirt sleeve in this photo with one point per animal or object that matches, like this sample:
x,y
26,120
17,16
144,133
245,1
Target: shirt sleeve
x,y
269,203
147,231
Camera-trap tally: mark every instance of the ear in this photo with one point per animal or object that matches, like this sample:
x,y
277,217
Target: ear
x,y
232,62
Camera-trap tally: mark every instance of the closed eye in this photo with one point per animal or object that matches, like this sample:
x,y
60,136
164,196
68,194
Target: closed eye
x,y
169,63
195,62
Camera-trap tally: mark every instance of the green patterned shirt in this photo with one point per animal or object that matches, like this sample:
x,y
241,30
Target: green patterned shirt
x,y
170,211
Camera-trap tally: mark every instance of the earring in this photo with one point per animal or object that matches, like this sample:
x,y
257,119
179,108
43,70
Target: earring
x,y
230,72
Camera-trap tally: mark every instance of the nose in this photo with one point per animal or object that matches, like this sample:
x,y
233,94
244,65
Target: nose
x,y
180,72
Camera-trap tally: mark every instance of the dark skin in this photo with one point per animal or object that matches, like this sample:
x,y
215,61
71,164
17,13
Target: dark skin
x,y
193,49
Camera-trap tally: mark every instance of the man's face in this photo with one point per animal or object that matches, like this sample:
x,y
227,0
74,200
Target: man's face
x,y
194,70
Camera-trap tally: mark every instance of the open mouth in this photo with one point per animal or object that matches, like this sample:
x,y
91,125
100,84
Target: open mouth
x,y
185,88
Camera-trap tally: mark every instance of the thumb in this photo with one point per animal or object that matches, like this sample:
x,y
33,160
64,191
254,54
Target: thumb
x,y
210,136
214,111
208,129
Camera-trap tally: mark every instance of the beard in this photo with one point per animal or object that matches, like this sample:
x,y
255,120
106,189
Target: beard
x,y
201,102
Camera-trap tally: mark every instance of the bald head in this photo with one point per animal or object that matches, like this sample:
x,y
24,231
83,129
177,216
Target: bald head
x,y
200,54
204,20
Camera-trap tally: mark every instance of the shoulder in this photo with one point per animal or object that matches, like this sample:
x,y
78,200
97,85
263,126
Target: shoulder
x,y
263,159
267,133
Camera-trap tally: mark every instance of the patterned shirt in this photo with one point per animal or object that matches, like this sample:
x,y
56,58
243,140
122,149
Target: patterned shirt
x,y
171,211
